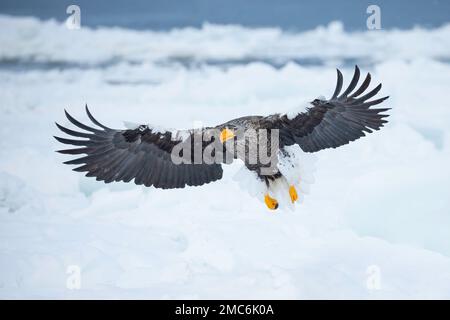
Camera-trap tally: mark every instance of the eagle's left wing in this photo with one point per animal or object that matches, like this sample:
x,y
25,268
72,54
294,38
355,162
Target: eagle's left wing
x,y
332,123
143,154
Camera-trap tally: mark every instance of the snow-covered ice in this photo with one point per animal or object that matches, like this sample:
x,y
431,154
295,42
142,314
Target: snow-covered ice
x,y
379,208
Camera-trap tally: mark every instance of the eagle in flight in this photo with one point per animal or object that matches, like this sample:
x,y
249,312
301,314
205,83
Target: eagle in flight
x,y
146,153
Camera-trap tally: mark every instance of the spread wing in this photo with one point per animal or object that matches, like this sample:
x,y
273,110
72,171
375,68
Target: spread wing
x,y
142,154
343,118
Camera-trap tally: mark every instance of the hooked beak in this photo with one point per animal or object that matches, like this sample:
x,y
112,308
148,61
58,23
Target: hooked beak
x,y
226,134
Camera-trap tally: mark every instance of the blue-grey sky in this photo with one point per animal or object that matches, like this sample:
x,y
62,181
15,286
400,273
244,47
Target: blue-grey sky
x,y
287,14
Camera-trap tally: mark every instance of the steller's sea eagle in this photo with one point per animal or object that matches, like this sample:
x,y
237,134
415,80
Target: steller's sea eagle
x,y
146,153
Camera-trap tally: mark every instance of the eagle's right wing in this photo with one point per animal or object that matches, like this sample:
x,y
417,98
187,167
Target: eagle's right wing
x,y
331,123
142,154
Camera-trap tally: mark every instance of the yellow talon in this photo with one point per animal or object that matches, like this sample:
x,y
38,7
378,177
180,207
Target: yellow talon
x,y
271,203
293,194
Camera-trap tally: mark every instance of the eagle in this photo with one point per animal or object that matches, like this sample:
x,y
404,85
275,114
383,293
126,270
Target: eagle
x,y
153,156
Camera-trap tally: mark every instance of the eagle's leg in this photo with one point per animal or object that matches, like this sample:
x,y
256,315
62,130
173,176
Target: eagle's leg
x,y
271,203
293,193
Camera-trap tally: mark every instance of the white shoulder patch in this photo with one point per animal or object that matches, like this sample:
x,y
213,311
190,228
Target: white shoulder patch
x,y
177,135
292,113
130,125
160,129
180,135
155,128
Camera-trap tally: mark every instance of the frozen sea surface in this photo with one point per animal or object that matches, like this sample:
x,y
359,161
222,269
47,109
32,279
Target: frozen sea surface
x,y
379,209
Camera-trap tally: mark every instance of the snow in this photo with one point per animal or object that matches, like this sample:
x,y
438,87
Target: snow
x,y
379,206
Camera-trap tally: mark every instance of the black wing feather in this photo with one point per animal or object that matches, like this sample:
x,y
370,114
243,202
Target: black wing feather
x,y
123,155
335,122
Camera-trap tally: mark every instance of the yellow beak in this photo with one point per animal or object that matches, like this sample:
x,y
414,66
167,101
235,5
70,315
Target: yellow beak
x,y
225,135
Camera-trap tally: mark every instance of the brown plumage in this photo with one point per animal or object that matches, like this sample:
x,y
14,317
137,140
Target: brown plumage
x,y
143,154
